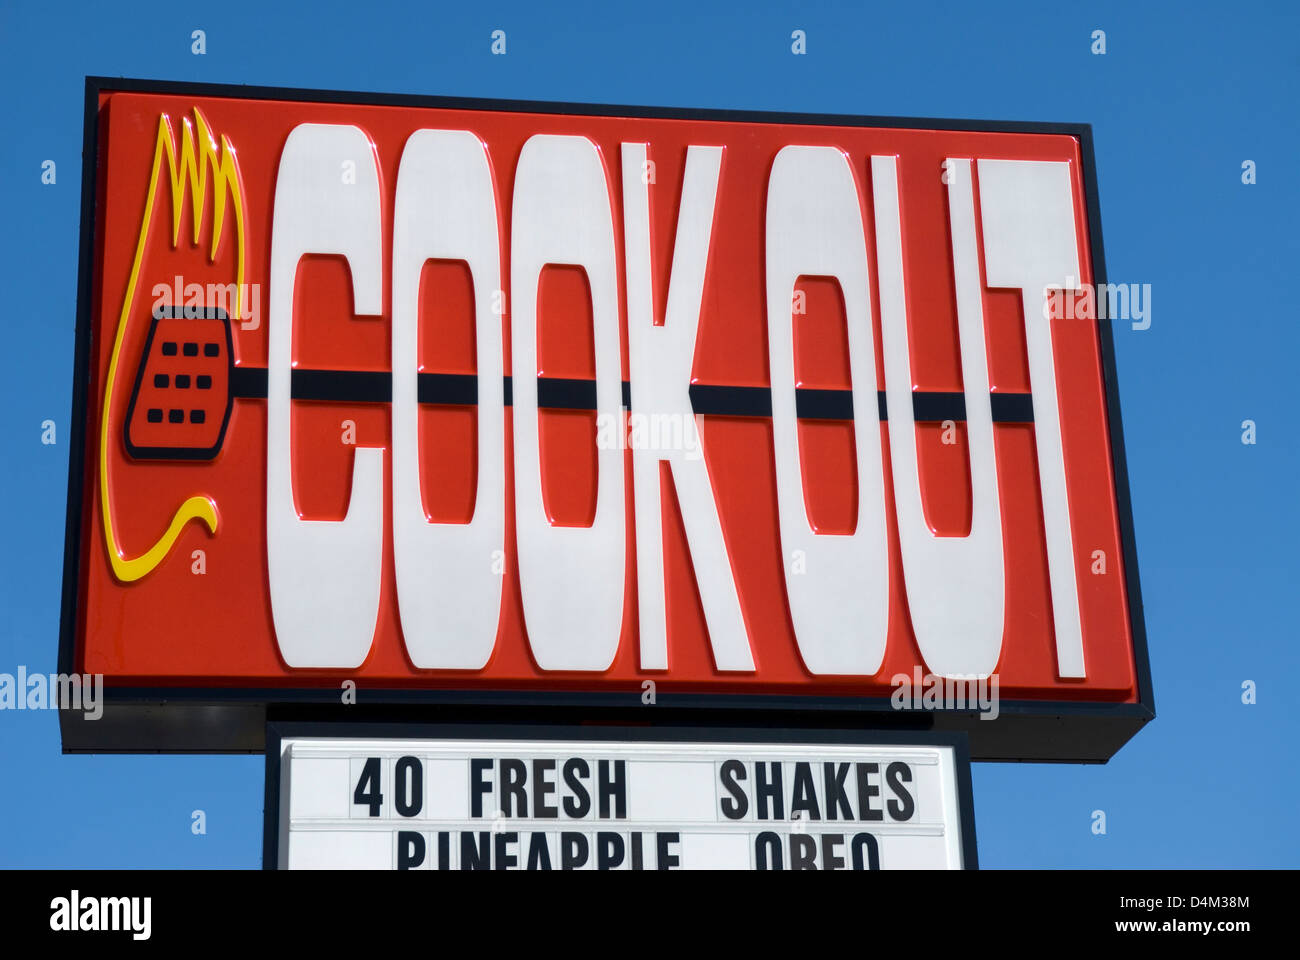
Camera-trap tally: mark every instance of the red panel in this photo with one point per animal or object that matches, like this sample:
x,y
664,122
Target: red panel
x,y
173,627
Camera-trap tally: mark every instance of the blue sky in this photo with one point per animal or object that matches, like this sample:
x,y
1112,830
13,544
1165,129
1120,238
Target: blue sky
x,y
1184,94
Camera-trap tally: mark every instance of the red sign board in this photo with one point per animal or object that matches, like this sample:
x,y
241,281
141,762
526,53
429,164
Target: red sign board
x,y
484,403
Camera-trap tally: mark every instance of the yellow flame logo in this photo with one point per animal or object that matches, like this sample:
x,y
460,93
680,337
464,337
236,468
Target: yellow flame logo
x,y
199,156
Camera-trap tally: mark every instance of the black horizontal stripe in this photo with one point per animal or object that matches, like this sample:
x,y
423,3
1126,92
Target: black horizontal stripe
x,y
1012,407
457,389
812,404
559,393
554,393
355,386
249,382
728,401
933,406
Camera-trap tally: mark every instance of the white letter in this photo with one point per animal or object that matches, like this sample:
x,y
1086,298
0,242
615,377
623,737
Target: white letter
x,y
324,575
660,360
449,598
1030,242
955,586
571,578
840,610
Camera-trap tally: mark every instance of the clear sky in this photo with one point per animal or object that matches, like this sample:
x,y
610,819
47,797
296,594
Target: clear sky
x,y
1184,94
